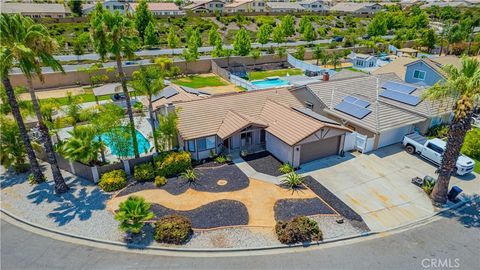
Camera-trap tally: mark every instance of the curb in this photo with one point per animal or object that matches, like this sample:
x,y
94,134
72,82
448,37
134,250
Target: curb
x,y
226,250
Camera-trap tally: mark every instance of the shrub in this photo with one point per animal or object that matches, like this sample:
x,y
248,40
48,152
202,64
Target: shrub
x,y
112,181
221,159
173,229
172,163
297,230
292,180
286,168
160,181
32,181
132,214
471,145
428,184
144,172
190,175
438,131
21,167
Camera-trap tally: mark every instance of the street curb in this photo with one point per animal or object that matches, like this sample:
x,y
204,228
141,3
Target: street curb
x,y
226,250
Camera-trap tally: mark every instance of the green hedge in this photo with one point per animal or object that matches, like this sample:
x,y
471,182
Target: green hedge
x,y
172,163
113,181
144,172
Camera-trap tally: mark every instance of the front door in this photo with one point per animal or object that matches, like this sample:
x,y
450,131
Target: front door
x,y
246,138
226,144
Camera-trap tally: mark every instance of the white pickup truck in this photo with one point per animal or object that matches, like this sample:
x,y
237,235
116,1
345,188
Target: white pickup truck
x,y
433,150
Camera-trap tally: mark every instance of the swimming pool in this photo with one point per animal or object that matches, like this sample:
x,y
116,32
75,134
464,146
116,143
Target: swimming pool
x,y
120,143
270,83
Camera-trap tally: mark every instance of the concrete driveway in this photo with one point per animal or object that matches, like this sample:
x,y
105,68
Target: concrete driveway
x,y
377,185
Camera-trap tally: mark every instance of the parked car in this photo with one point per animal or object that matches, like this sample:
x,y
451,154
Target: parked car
x,y
366,37
118,97
337,39
433,149
129,63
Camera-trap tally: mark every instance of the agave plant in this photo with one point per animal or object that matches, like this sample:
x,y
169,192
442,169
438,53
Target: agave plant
x,y
190,175
132,214
286,168
292,180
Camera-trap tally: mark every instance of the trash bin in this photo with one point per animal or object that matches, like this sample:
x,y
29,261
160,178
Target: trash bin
x,y
452,195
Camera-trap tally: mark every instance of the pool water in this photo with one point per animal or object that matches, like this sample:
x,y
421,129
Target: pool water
x,y
120,142
270,83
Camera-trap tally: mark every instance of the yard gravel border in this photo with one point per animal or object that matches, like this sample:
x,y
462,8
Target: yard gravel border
x,y
264,162
286,209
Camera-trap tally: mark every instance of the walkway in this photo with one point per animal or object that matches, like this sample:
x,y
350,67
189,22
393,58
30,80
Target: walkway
x,y
251,173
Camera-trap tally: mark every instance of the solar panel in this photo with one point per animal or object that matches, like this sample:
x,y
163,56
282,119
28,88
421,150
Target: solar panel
x,y
356,101
352,109
350,99
167,92
190,90
401,97
399,87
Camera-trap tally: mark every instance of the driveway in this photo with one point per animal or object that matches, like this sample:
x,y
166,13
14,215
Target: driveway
x,y
377,185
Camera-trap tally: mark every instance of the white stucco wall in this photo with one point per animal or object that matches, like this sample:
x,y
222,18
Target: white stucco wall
x,y
278,148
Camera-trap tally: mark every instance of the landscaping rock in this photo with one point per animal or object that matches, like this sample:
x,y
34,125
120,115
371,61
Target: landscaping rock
x,y
289,208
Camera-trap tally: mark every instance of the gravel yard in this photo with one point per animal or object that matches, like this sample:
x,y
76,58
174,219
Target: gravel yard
x,y
290,208
264,162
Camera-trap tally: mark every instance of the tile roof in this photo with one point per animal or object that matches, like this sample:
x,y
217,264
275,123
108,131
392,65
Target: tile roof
x,y
162,6
234,122
350,7
32,8
237,3
397,66
284,5
181,95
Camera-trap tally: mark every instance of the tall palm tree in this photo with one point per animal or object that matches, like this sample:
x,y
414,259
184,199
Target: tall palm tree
x,y
318,53
149,82
114,34
29,45
462,85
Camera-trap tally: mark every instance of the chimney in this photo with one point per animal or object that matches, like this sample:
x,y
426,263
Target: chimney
x,y
326,76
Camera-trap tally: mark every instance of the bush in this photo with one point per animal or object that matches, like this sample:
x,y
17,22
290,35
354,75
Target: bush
x,y
438,131
190,175
297,230
32,181
113,181
292,180
21,167
173,229
160,181
221,159
144,172
172,163
428,184
471,145
286,168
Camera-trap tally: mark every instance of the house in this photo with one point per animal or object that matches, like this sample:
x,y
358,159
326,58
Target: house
x,y
406,52
315,5
205,6
366,105
272,120
356,8
34,10
428,71
245,6
397,66
454,4
284,7
360,60
159,9
112,5
171,94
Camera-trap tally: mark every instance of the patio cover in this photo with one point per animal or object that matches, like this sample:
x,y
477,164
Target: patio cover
x,y
109,89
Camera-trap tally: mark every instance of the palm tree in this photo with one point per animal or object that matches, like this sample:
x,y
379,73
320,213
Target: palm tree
x,y
12,152
462,85
149,82
133,213
114,34
82,146
318,52
30,46
335,60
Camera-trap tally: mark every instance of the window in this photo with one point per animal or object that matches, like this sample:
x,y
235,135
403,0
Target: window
x,y
309,105
191,145
419,74
435,148
206,143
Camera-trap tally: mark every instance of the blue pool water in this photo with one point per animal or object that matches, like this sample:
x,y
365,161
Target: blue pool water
x,y
121,144
269,83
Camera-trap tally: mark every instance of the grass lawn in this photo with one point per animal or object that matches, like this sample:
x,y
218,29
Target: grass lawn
x,y
259,75
477,166
196,81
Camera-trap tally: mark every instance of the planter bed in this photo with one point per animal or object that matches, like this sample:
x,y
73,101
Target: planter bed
x,y
213,215
264,162
289,208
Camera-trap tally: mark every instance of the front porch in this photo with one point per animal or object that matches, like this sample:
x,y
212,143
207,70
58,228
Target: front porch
x,y
247,141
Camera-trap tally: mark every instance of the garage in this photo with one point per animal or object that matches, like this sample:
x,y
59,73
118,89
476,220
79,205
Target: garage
x,y
394,135
319,149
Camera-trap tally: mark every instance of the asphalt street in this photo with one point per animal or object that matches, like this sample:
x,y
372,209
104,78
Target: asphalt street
x,y
452,242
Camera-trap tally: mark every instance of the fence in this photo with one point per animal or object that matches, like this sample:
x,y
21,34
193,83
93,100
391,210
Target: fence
x,y
242,83
216,69
305,66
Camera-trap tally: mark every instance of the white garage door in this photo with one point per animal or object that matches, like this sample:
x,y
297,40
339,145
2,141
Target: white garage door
x,y
394,135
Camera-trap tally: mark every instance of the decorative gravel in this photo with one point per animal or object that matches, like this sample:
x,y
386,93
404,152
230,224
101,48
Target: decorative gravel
x,y
331,229
335,202
289,208
264,162
208,178
213,215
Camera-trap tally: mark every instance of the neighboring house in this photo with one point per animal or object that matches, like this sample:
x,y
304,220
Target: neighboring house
x,y
171,94
245,6
159,9
454,4
357,8
284,7
364,104
315,5
360,60
35,10
205,6
397,66
272,120
112,5
406,52
428,71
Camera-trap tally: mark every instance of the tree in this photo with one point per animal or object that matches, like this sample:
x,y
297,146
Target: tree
x,y
318,53
378,26
335,60
197,37
255,56
303,23
462,85
242,44
149,82
12,150
80,43
151,36
172,39
95,75
288,25
30,45
281,52
82,146
278,35
190,54
75,7
114,34
309,33
218,49
143,16
264,33
300,53
213,36
167,130
108,119
132,214
429,39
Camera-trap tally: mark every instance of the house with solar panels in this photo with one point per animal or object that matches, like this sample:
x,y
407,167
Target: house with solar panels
x,y
380,110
